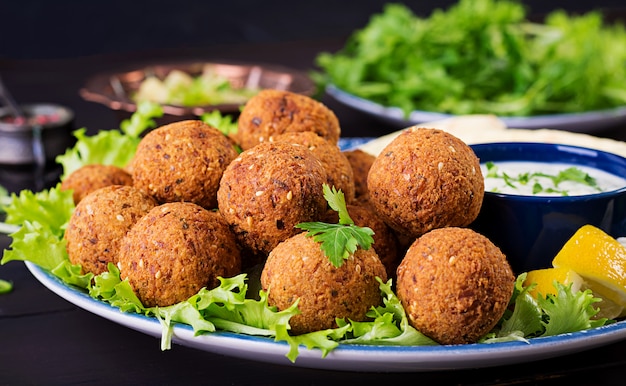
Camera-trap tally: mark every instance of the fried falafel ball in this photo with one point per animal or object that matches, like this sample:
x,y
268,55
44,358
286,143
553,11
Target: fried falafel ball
x,y
88,178
182,161
175,250
274,112
361,162
426,179
100,221
385,242
298,269
269,189
454,284
338,168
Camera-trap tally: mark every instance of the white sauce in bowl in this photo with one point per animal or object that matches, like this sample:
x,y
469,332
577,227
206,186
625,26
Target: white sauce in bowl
x,y
524,178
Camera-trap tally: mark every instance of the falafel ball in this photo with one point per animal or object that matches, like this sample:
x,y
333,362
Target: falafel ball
x,y
274,112
182,161
454,284
100,221
361,162
175,250
88,178
426,179
269,189
298,269
385,242
337,167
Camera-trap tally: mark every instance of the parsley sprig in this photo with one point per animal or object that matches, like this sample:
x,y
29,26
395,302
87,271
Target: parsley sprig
x,y
572,174
338,241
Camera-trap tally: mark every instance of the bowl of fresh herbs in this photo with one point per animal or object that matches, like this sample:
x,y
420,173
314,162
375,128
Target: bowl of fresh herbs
x,y
483,57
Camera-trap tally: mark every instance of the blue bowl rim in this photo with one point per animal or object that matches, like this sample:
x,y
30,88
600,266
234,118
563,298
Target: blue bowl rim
x,y
557,147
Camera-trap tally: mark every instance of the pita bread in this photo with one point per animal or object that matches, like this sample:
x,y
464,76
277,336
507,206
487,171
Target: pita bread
x,y
474,129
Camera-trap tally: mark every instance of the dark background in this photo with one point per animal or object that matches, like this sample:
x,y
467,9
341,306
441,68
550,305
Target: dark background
x,y
48,49
33,29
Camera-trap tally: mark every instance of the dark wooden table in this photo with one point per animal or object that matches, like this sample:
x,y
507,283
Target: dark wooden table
x,y
46,340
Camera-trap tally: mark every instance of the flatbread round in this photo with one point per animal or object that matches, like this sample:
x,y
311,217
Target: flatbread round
x,y
474,129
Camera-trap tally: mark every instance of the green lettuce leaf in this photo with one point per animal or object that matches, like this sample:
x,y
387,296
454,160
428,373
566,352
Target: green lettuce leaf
x,y
51,208
524,321
38,244
5,198
110,147
390,324
224,123
142,119
324,340
565,312
569,311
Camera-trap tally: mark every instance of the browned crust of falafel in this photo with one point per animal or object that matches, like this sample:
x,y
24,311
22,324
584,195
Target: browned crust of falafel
x,y
88,178
268,190
182,161
297,269
426,179
454,284
175,250
100,221
360,162
337,166
274,112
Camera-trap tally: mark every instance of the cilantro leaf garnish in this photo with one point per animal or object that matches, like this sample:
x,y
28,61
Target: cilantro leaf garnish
x,y
337,201
338,241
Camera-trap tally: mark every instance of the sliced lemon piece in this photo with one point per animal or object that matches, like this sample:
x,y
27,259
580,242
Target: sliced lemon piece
x,y
600,260
545,278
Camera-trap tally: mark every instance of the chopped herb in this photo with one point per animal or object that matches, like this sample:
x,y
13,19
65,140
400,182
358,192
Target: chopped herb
x,y
571,174
341,240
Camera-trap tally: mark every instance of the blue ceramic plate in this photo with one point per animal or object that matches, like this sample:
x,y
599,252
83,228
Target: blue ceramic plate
x,y
347,357
587,122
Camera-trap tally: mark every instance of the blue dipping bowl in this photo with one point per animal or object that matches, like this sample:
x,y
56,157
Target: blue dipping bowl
x,y
531,230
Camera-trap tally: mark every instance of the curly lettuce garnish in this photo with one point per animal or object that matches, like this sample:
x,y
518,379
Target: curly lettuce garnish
x,y
565,312
110,147
224,123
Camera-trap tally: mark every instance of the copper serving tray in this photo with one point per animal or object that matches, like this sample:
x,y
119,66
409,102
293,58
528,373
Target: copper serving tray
x,y
115,89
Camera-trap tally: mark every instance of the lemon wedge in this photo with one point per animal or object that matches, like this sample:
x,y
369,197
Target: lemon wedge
x,y
601,261
545,278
